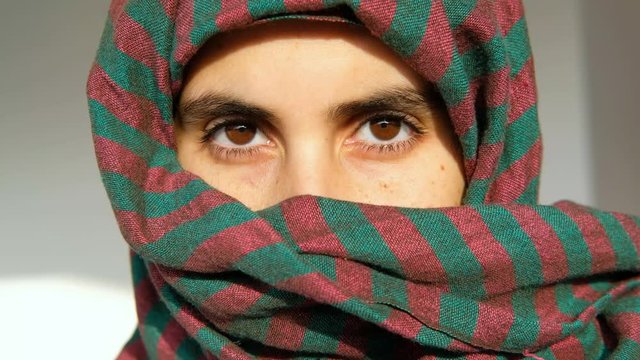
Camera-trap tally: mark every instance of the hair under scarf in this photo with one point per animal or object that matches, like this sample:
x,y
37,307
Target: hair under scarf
x,y
499,277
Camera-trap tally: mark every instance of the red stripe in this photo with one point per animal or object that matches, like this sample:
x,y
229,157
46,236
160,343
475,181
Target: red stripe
x,y
233,13
133,351
140,230
189,318
182,13
309,229
355,330
116,8
354,278
508,12
377,15
497,266
594,235
416,256
287,329
585,292
554,260
232,302
568,349
550,316
625,325
476,28
485,169
523,90
172,337
315,287
433,56
303,5
402,323
222,250
132,39
135,111
424,303
119,159
514,181
495,318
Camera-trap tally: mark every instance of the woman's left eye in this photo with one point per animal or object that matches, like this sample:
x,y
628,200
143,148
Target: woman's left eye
x,y
384,129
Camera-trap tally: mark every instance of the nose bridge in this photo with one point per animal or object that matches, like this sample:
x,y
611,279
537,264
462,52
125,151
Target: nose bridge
x,y
308,168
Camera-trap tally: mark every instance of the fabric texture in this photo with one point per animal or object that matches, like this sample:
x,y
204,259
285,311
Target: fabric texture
x,y
500,277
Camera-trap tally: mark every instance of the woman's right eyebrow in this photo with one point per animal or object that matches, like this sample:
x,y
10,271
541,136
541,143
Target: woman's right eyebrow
x,y
215,104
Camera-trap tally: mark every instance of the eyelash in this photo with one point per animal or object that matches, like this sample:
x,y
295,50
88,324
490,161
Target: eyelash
x,y
226,153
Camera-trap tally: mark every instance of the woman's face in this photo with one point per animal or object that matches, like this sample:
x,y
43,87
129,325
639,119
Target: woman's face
x,y
299,107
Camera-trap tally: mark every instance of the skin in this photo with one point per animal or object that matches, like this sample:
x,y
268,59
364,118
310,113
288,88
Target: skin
x,y
297,70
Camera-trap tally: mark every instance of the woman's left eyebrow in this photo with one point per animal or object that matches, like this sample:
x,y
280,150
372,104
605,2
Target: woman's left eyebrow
x,y
394,98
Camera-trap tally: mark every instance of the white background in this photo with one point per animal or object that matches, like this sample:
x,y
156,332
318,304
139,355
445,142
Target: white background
x,y
64,277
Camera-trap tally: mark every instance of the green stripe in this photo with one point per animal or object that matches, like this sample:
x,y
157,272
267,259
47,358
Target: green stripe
x,y
126,195
521,135
458,11
177,246
200,288
261,8
138,269
408,27
142,145
189,349
526,323
567,303
623,247
626,349
458,315
485,58
518,46
389,289
324,331
465,275
348,222
289,264
436,339
524,256
530,194
138,79
204,20
592,342
495,132
454,84
576,250
155,323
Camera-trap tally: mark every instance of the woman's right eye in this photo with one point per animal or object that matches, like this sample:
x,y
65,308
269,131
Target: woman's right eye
x,y
236,135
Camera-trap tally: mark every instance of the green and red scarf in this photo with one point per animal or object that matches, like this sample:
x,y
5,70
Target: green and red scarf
x,y
499,277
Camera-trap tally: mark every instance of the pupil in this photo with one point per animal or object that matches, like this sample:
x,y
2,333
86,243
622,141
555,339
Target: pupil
x,y
240,134
385,129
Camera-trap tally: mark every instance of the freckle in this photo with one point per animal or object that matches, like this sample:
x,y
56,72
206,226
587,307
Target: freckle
x,y
441,167
385,185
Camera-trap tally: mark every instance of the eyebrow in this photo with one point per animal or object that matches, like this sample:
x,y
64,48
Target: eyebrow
x,y
221,104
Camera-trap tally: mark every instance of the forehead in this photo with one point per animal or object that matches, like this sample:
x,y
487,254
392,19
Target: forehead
x,y
297,59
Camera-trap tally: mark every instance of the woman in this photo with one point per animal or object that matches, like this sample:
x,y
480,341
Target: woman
x,y
352,179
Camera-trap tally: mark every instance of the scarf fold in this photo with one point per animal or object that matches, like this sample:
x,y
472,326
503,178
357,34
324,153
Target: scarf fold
x,y
499,277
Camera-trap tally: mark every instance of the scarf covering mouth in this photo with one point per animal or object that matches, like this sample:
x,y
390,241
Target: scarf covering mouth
x,y
499,277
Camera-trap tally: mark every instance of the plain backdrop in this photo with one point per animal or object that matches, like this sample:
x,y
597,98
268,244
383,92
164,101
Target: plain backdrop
x,y
64,273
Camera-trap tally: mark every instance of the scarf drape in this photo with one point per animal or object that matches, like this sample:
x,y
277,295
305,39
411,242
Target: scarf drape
x,y
499,277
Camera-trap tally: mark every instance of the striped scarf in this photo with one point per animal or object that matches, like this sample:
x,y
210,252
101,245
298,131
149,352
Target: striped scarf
x,y
499,277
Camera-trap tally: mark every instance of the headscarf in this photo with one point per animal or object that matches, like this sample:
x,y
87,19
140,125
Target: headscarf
x,y
499,277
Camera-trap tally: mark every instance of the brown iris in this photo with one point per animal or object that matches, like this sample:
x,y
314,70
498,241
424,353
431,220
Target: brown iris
x,y
385,129
240,134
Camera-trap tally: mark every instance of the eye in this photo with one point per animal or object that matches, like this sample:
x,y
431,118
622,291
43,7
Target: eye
x,y
236,135
385,129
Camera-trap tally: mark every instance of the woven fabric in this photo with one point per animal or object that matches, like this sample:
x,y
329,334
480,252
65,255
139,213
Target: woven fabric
x,y
499,277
